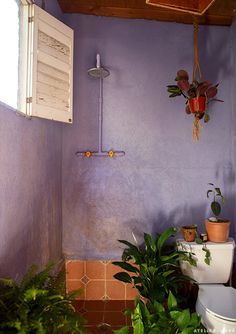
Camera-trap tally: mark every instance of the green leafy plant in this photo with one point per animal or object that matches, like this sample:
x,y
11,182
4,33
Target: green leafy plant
x,y
207,258
154,318
154,268
215,204
38,304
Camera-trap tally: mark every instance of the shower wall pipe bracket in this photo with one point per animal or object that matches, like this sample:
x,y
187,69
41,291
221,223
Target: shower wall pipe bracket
x,y
107,154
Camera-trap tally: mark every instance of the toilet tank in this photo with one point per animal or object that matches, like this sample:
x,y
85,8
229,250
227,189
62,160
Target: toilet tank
x,y
218,271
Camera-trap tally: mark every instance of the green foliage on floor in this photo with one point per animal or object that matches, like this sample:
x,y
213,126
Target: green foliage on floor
x,y
154,318
38,304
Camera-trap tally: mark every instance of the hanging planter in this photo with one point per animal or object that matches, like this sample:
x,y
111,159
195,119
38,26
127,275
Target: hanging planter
x,y
197,104
198,93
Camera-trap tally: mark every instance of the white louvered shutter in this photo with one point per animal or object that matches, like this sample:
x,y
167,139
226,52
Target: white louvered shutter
x,y
50,67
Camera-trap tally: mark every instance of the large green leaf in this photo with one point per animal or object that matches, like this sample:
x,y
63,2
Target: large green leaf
x,y
124,277
216,208
195,320
172,303
150,242
167,258
131,252
183,320
164,236
175,314
138,327
158,307
127,243
126,266
168,273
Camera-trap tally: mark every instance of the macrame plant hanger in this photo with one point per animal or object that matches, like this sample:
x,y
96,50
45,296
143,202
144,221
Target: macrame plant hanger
x,y
197,75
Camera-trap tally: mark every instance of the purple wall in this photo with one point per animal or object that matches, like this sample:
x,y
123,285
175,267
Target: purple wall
x,y
30,190
162,180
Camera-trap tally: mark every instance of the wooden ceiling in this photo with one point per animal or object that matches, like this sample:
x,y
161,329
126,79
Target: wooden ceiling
x,y
220,13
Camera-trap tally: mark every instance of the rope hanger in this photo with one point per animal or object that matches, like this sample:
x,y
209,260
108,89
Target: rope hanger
x,y
197,74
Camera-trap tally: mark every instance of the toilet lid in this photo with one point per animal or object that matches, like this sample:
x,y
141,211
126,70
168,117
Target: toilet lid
x,y
218,300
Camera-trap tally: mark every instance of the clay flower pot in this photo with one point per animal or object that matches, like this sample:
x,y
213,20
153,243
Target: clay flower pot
x,y
197,104
217,231
189,232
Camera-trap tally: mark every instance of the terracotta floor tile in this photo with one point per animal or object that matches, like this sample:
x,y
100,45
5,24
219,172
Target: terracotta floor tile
x,y
74,269
129,304
94,305
111,270
79,305
72,285
115,318
128,321
115,290
130,292
95,269
95,290
114,305
94,318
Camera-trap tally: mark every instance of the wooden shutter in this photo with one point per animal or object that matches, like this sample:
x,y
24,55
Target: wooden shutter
x,y
50,67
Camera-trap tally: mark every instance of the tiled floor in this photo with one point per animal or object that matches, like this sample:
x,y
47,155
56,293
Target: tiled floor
x,y
104,316
96,278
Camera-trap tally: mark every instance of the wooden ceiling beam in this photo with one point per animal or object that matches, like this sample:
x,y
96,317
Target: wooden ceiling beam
x,y
220,13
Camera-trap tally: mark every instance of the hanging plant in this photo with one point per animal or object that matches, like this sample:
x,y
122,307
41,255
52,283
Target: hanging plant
x,y
198,94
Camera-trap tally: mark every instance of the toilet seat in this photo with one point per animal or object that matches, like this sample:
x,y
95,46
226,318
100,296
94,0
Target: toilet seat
x,y
218,300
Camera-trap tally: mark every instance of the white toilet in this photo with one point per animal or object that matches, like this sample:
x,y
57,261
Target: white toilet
x,y
216,303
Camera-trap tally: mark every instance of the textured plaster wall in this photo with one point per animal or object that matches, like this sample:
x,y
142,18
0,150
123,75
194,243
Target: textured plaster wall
x,y
30,190
233,96
162,180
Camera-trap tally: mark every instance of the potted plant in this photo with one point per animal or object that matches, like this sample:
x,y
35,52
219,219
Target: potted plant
x,y
217,228
198,94
189,232
154,267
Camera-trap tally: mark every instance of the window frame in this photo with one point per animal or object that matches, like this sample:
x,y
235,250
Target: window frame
x,y
31,17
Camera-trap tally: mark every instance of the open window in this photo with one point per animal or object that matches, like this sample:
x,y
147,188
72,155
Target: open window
x,y
9,40
46,66
36,61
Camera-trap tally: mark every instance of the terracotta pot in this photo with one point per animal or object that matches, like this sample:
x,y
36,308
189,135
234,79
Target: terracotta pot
x,y
217,231
189,232
197,104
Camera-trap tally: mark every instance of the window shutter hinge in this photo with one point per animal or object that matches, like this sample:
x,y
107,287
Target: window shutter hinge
x,y
29,99
30,19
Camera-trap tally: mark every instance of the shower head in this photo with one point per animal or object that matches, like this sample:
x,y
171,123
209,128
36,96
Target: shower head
x,y
98,71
